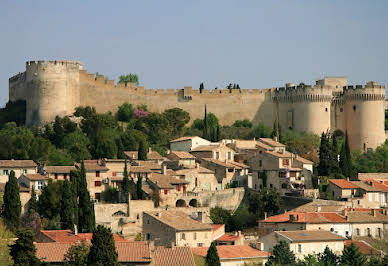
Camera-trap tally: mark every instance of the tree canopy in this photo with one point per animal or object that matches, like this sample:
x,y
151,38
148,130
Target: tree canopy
x,y
102,250
12,206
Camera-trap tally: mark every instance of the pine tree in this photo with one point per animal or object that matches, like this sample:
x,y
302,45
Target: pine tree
x,y
103,250
139,190
205,126
201,87
86,219
67,207
32,204
12,206
323,167
334,168
126,184
351,256
23,251
328,258
212,258
282,255
142,151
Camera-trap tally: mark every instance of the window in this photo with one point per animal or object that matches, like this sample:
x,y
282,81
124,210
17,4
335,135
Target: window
x,y
183,236
346,233
179,187
97,196
65,176
282,174
377,197
137,216
336,247
55,176
97,183
165,192
40,184
286,162
270,185
299,248
217,155
148,236
113,173
5,172
25,171
378,232
260,163
341,109
358,231
326,109
195,235
97,173
368,232
354,108
229,155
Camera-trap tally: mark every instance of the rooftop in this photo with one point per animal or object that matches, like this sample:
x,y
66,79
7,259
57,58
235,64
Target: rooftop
x,y
364,247
17,163
165,181
59,169
67,236
342,183
198,169
180,221
271,142
173,256
35,176
305,217
229,237
365,186
227,164
181,155
310,236
233,252
93,165
210,148
132,154
184,138
154,155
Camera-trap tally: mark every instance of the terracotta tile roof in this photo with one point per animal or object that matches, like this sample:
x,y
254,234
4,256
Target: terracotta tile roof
x,y
177,256
184,138
224,164
306,217
180,155
199,169
366,187
380,186
59,169
303,160
363,247
128,252
215,227
209,148
310,236
165,181
366,216
139,169
180,221
17,163
313,207
238,164
233,252
382,176
150,164
67,236
153,155
35,176
229,237
92,165
132,154
342,183
271,142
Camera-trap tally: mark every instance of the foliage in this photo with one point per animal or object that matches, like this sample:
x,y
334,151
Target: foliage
x,y
139,190
328,258
260,131
219,215
12,206
243,123
177,119
155,197
267,200
129,78
60,158
32,221
103,250
371,161
125,183
212,258
242,218
13,112
5,235
23,251
85,112
138,237
282,255
351,256
304,144
143,150
32,204
110,195
86,219
125,112
49,204
324,151
345,161
201,87
77,255
68,203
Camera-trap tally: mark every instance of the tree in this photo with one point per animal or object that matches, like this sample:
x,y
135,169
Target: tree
x,y
212,258
328,258
12,206
67,212
345,162
49,204
23,251
260,131
242,123
32,204
139,190
177,119
201,87
218,133
125,112
267,200
142,152
282,255
324,156
129,78
205,126
77,254
333,158
103,250
86,219
6,237
125,184
219,215
351,256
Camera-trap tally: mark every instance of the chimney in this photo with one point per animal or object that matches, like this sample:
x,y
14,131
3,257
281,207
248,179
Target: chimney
x,y
149,149
345,212
238,233
347,178
164,169
75,230
265,215
318,208
152,246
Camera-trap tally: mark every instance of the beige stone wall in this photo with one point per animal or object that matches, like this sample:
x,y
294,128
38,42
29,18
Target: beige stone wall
x,y
194,238
18,172
316,247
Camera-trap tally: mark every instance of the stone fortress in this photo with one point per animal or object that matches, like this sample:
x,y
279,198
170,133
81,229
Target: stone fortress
x,y
57,87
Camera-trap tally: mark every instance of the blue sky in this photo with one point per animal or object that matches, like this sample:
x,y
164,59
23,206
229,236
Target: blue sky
x,y
171,44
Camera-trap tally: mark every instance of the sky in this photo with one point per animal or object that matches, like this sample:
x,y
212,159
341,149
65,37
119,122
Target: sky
x,y
172,44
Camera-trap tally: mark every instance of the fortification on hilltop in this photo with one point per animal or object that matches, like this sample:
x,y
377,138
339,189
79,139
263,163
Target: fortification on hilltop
x,y
57,87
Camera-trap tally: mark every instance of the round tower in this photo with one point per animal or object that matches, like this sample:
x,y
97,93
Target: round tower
x,y
52,89
304,108
364,110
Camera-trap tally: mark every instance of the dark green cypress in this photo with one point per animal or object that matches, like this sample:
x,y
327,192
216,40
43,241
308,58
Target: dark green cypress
x,y
103,250
23,251
348,157
86,218
218,133
205,126
334,168
201,87
352,256
32,205
12,206
67,212
139,190
142,152
126,184
323,166
212,258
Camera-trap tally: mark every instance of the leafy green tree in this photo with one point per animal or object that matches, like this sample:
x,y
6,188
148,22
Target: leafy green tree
x,y
86,219
23,251
243,123
49,204
205,129
219,215
177,119
154,125
106,145
267,200
76,143
324,156
305,144
67,212
260,131
328,258
282,255
212,258
13,112
32,204
129,78
125,112
60,158
142,151
85,112
6,237
351,256
77,254
103,250
12,206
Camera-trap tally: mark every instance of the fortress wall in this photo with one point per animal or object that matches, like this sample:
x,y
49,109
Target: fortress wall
x,y
338,117
17,87
228,107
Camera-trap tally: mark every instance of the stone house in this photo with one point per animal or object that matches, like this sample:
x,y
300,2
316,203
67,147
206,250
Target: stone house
x,y
187,143
175,228
236,255
183,158
96,177
18,166
304,242
58,172
199,178
36,181
217,151
235,238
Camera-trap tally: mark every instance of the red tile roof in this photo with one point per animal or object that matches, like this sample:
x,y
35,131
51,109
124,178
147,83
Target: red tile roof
x,y
306,217
67,236
215,227
229,237
233,252
177,256
363,247
342,183
52,252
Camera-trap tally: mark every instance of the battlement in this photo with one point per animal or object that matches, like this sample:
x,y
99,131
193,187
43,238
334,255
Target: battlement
x,y
20,76
372,91
300,93
53,62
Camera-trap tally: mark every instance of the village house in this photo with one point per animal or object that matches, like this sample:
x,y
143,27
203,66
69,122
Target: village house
x,y
182,158
199,178
18,166
217,151
236,255
58,172
187,143
305,242
96,177
377,180
175,228
36,181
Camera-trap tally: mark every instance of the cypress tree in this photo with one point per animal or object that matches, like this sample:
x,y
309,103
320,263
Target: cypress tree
x,y
12,206
23,251
323,167
103,250
205,129
218,132
212,258
32,205
86,219
352,256
348,157
328,257
67,212
334,169
139,190
126,184
142,151
201,87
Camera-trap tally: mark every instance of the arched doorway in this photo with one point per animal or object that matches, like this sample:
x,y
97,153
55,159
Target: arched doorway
x,y
180,203
193,203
